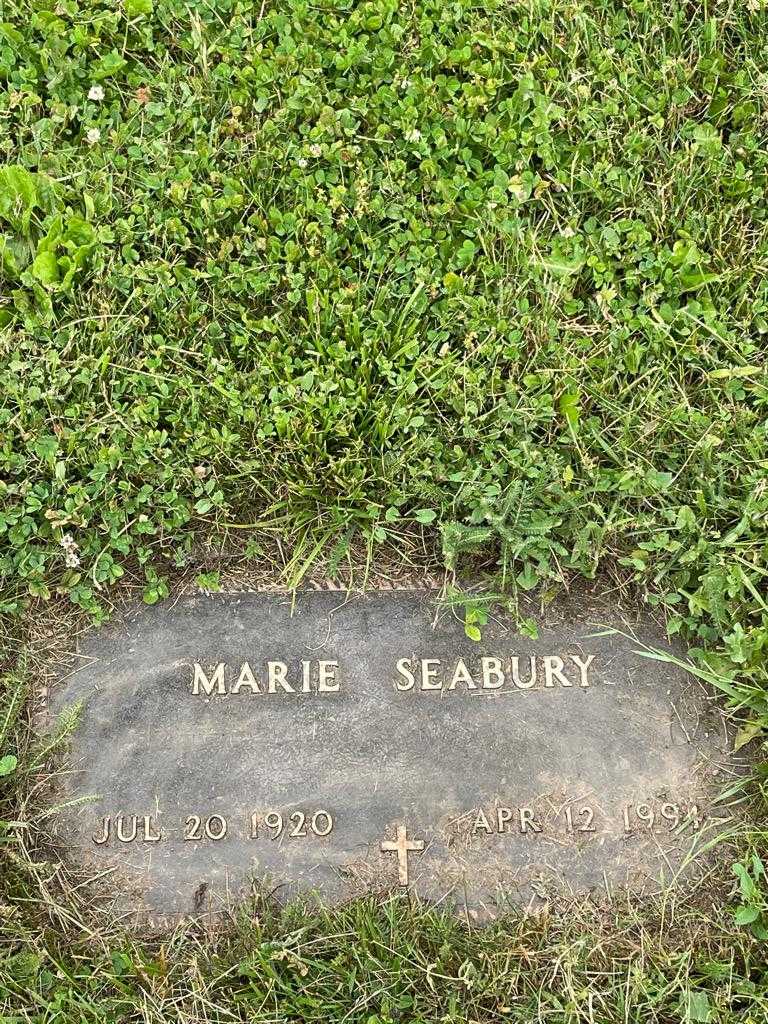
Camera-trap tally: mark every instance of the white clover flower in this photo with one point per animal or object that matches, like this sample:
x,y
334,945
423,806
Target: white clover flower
x,y
301,162
71,557
92,136
96,93
316,150
412,135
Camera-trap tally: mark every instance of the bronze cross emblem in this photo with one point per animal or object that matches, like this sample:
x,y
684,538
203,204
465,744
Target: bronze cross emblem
x,y
402,846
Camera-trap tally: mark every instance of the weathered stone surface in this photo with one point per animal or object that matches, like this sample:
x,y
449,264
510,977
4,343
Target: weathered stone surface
x,y
364,724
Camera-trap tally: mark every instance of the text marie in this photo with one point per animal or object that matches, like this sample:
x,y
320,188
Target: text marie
x,y
521,673
267,677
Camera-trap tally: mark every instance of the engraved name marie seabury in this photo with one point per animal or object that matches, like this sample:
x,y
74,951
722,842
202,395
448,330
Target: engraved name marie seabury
x,y
486,673
337,744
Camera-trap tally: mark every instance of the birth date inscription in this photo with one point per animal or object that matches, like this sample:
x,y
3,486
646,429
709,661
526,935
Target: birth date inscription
x,y
274,824
333,745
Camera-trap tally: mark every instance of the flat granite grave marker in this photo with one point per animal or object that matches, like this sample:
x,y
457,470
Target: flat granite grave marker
x,y
336,744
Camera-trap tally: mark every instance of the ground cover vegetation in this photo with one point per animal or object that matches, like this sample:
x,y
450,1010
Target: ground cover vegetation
x,y
354,273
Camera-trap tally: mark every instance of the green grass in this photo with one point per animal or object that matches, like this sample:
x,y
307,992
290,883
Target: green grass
x,y
382,964
484,283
